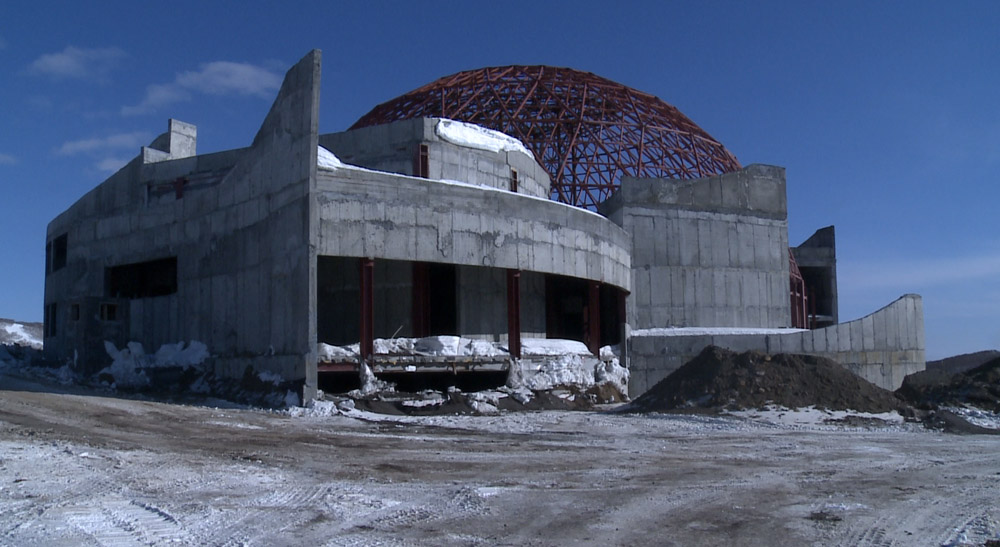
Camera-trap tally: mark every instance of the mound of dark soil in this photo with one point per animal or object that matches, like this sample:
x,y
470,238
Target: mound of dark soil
x,y
964,362
721,379
979,387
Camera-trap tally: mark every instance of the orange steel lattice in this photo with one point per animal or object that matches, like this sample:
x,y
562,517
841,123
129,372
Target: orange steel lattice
x,y
586,131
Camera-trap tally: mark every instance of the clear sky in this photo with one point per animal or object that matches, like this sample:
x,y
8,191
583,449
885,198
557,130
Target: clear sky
x,y
885,114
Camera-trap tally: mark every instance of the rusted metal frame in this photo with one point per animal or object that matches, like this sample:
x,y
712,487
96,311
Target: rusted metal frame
x,y
514,313
593,334
367,331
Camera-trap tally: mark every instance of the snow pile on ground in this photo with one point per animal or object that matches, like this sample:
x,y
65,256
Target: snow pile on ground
x,y
370,385
431,346
819,418
978,417
475,136
557,371
327,160
24,334
129,365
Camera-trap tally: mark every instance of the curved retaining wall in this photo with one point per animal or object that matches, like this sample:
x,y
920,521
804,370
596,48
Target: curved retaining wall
x,y
882,347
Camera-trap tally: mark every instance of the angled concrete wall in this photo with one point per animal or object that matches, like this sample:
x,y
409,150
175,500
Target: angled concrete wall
x,y
239,227
882,347
709,252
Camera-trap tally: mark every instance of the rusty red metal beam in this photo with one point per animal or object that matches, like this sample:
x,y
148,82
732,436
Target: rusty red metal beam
x,y
514,313
367,334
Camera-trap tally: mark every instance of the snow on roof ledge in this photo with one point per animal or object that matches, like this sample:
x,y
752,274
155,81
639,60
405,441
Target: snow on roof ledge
x,y
474,136
326,159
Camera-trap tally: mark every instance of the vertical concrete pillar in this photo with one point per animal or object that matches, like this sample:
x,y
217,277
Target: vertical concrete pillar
x,y
593,319
367,342
514,313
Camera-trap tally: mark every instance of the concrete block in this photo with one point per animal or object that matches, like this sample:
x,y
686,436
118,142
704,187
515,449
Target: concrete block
x,y
868,333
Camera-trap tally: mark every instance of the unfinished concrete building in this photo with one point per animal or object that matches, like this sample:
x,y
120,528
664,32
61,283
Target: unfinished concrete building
x,y
411,224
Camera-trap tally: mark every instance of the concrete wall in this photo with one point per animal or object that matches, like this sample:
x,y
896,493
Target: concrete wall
x,y
817,261
392,147
882,347
386,216
240,233
707,252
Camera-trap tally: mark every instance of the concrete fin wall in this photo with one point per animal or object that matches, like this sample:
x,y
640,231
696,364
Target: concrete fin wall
x,y
273,287
882,347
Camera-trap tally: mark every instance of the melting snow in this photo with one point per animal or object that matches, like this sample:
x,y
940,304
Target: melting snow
x,y
474,136
327,159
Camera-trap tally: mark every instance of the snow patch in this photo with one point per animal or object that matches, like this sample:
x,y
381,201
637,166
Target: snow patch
x,y
128,366
976,416
327,160
18,334
475,136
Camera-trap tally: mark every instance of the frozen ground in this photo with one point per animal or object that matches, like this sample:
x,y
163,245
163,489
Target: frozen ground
x,y
80,468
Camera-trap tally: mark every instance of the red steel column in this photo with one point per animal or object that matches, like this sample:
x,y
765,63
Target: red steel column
x,y
367,267
594,318
514,313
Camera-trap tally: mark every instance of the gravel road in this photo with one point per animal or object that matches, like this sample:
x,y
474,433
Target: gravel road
x,y
81,468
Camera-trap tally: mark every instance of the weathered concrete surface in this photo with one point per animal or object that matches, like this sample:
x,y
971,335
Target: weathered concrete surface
x,y
245,229
707,252
392,147
387,216
239,228
882,347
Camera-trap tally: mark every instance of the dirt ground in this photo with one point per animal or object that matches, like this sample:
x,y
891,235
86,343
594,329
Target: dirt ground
x,y
86,469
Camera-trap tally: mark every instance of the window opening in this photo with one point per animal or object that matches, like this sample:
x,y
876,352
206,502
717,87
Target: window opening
x,y
142,279
109,312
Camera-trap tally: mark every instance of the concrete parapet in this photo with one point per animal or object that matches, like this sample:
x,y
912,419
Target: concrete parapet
x,y
882,347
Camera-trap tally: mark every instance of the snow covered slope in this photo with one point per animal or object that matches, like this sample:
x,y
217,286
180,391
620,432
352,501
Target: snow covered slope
x,y
25,334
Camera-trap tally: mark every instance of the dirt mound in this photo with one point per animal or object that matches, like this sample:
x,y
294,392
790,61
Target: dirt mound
x,y
979,387
964,362
721,379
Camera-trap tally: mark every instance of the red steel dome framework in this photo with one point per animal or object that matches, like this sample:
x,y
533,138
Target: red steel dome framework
x,y
586,131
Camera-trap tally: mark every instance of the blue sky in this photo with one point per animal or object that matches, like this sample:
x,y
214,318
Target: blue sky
x,y
885,114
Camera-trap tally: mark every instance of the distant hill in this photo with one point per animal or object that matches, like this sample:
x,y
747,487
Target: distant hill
x,y
962,363
16,332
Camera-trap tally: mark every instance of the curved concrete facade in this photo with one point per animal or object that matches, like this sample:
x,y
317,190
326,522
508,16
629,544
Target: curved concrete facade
x,y
380,215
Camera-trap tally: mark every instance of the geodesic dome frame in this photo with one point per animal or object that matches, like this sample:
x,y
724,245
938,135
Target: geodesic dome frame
x,y
586,131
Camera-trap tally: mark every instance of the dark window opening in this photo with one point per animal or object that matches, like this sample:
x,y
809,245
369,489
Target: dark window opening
x,y
513,180
566,306
50,320
74,312
48,258
442,288
421,163
58,260
142,279
109,312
